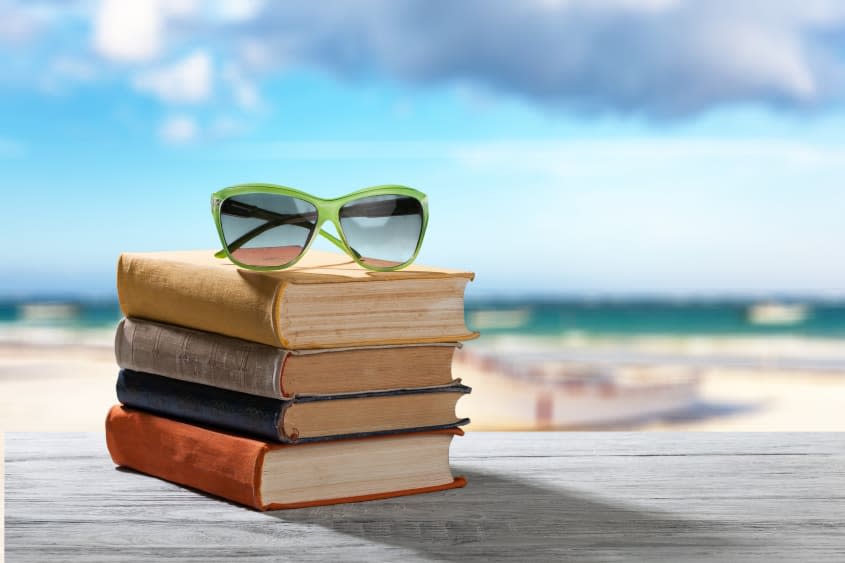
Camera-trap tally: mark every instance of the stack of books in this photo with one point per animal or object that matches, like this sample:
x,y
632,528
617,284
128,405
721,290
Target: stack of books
x,y
318,384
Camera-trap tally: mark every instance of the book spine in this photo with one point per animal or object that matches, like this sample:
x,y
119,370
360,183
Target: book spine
x,y
199,357
226,301
201,404
215,462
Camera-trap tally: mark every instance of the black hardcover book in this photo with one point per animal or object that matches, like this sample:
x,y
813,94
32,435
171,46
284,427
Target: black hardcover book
x,y
299,419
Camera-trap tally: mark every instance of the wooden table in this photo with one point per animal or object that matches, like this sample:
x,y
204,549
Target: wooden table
x,y
541,496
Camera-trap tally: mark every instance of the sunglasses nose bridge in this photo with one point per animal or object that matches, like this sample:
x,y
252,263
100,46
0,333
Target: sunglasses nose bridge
x,y
330,213
327,213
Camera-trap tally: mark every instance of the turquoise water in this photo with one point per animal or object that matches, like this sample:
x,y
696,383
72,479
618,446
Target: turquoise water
x,y
71,315
524,317
628,318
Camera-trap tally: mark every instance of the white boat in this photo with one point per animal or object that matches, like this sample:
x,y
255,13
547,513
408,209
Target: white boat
x,y
778,314
47,311
529,395
487,319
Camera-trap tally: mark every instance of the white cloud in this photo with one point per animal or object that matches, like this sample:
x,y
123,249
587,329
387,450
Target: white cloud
x,y
128,30
179,129
244,90
255,54
238,10
186,81
180,8
65,72
136,30
246,94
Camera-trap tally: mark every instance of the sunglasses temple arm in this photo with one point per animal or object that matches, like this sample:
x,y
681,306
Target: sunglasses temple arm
x,y
339,243
333,239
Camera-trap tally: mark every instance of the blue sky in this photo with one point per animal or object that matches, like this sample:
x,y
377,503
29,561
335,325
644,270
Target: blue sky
x,y
611,147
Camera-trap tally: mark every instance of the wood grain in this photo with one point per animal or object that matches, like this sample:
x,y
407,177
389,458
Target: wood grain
x,y
538,496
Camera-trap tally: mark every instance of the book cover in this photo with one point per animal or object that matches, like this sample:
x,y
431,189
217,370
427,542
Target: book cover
x,y
324,301
300,419
249,471
257,369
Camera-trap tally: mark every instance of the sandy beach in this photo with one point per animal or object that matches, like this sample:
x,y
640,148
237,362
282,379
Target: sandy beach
x,y
70,388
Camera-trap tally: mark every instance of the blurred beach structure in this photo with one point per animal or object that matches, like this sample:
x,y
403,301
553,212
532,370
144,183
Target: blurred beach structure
x,y
539,364
709,364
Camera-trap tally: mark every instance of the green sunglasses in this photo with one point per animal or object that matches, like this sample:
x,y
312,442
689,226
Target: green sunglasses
x,y
267,227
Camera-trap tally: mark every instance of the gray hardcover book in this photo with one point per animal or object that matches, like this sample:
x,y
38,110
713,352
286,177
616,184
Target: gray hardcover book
x,y
199,357
257,369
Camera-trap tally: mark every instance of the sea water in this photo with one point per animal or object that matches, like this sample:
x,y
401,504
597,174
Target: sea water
x,y
37,322
782,334
786,333
529,317
658,317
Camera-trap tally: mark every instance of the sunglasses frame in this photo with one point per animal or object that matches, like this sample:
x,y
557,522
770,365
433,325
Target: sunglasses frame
x,y
328,210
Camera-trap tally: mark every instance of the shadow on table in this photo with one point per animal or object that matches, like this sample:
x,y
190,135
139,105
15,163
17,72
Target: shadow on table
x,y
709,409
500,517
697,412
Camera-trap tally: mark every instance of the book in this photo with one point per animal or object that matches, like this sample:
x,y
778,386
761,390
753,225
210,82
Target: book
x,y
323,301
299,419
269,476
257,369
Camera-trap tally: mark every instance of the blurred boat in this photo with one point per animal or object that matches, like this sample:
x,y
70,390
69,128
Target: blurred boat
x,y
528,395
777,314
500,319
47,311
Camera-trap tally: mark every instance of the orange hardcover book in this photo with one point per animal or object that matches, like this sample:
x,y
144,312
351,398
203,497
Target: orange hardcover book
x,y
270,476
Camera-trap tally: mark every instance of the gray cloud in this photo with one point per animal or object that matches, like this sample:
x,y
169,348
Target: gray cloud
x,y
658,57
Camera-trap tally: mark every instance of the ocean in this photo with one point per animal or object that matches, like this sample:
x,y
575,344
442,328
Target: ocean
x,y
618,318
783,335
805,336
532,317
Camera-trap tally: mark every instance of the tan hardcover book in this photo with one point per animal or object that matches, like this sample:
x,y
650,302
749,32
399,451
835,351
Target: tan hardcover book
x,y
324,301
249,367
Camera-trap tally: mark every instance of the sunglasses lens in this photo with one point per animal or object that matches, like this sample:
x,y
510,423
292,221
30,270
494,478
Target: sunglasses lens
x,y
266,229
384,230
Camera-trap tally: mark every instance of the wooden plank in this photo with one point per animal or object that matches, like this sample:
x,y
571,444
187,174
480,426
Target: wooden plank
x,y
591,496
